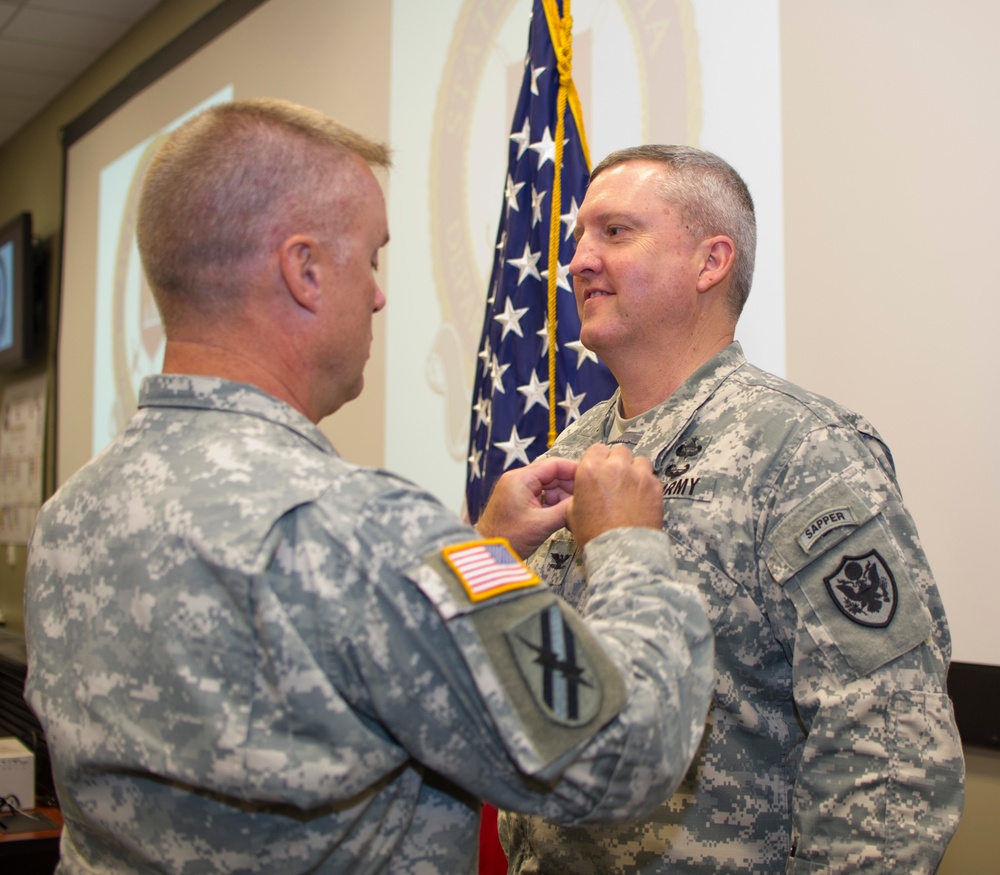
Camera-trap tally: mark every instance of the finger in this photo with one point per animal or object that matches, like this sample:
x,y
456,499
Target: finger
x,y
553,469
595,454
645,464
558,493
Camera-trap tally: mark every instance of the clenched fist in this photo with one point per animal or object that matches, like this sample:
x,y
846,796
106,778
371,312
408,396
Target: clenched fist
x,y
613,489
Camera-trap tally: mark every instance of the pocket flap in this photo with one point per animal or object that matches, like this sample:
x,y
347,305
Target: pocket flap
x,y
820,522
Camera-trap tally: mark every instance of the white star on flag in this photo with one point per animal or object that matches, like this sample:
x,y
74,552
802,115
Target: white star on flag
x,y
562,277
569,219
475,463
522,138
511,193
543,333
510,319
482,410
545,147
582,353
535,392
497,371
535,73
536,205
572,404
514,447
526,264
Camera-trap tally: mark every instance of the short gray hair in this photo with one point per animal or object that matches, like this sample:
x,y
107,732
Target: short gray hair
x,y
712,197
229,184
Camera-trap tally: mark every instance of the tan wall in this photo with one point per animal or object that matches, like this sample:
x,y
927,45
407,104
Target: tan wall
x,y
891,184
889,160
827,162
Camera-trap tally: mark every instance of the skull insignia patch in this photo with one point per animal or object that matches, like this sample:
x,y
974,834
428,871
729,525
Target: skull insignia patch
x,y
864,590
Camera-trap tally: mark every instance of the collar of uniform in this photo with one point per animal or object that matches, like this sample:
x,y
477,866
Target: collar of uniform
x,y
214,393
660,426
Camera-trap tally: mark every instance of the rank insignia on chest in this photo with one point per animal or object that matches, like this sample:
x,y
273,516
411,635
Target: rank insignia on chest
x,y
558,561
864,590
673,463
488,568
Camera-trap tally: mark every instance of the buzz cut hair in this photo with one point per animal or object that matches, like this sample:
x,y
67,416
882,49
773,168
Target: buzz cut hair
x,y
230,183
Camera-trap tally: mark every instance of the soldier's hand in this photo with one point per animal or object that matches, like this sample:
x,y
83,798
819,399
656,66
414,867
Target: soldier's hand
x,y
613,488
528,504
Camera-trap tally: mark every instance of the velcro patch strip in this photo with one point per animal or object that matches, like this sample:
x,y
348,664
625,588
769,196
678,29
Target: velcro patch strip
x,y
832,518
488,568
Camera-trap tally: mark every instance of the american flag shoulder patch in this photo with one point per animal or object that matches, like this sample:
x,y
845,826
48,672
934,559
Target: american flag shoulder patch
x,y
488,568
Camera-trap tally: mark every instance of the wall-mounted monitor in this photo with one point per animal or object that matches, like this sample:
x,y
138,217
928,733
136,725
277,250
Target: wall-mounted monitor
x,y
18,314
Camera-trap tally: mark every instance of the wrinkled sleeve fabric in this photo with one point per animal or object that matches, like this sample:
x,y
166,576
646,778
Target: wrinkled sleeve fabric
x,y
880,779
662,642
439,671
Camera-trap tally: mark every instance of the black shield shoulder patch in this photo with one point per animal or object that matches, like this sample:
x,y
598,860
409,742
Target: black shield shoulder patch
x,y
864,590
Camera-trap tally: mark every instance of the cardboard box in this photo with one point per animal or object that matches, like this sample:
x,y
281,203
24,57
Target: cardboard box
x,y
17,772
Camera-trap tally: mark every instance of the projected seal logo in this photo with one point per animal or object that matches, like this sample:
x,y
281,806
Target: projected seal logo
x,y
651,47
129,341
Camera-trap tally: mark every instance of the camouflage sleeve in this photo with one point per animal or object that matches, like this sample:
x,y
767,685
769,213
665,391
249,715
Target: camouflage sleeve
x,y
509,694
658,632
880,781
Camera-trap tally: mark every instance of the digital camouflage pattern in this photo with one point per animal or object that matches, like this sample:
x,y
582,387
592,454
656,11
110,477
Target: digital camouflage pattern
x,y
249,655
831,745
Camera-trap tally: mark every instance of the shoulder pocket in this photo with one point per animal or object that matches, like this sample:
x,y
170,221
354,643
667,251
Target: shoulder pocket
x,y
542,676
820,522
837,560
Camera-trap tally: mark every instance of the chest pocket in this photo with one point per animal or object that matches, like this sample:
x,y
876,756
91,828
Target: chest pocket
x,y
560,564
838,562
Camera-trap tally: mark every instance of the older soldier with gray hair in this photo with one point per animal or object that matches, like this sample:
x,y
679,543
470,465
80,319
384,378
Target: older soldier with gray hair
x,y
831,745
250,655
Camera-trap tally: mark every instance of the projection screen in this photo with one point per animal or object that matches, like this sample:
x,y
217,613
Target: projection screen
x,y
852,211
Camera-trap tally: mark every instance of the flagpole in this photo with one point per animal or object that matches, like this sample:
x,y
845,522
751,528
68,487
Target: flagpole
x,y
520,403
561,30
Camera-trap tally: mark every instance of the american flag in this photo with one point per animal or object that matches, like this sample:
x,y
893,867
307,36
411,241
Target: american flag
x,y
530,383
488,568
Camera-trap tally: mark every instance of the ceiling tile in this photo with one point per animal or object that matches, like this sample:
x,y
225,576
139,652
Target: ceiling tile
x,y
19,108
33,84
65,29
46,44
43,57
126,10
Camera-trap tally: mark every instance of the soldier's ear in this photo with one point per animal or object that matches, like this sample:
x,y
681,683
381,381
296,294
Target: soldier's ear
x,y
300,269
718,257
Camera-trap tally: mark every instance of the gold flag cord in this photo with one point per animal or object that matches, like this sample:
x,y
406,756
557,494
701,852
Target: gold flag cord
x,y
561,32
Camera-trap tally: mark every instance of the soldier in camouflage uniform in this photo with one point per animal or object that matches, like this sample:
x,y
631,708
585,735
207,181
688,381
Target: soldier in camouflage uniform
x,y
831,745
249,655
